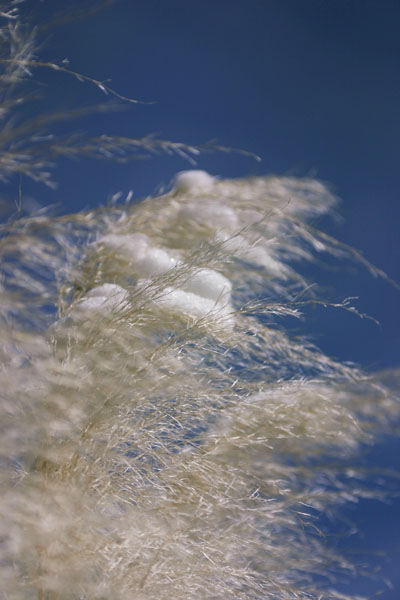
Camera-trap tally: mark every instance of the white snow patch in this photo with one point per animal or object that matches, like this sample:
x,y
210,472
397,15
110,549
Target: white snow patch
x,y
148,261
253,253
209,284
211,213
109,291
155,261
131,246
193,305
106,298
194,180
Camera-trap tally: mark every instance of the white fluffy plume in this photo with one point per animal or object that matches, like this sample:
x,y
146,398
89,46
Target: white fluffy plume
x,y
163,436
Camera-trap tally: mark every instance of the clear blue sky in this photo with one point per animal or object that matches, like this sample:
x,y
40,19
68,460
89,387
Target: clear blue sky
x,y
312,86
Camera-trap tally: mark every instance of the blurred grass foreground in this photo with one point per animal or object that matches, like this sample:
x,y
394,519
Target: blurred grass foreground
x,y
162,434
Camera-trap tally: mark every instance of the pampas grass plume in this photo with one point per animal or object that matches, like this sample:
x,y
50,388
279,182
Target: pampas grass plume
x,y
162,434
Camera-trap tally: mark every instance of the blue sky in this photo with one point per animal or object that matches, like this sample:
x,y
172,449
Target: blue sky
x,y
312,86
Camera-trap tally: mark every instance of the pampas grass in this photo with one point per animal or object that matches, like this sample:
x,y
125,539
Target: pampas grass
x,y
162,433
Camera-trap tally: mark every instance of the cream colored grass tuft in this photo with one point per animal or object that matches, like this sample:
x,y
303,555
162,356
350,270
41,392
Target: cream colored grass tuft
x,y
163,435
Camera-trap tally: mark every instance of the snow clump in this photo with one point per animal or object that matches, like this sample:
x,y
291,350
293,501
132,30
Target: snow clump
x,y
192,181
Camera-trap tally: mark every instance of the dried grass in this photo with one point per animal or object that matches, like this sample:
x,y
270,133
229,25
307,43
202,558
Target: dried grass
x,y
157,442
